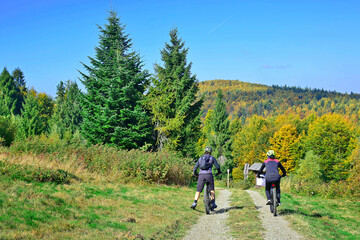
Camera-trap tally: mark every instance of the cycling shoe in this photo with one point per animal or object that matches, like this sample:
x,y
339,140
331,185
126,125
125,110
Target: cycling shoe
x,y
268,202
213,205
193,206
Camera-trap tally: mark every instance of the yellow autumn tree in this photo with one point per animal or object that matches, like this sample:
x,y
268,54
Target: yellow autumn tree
x,y
284,143
332,138
205,132
251,143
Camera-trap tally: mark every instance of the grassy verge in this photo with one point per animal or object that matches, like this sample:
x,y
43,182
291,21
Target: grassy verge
x,y
90,206
101,210
319,218
244,218
316,217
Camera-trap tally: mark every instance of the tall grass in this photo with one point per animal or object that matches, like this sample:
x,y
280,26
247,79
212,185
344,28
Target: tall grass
x,y
332,189
74,155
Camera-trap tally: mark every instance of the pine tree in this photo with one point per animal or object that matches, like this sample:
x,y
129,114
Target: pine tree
x,y
8,94
172,99
220,136
112,106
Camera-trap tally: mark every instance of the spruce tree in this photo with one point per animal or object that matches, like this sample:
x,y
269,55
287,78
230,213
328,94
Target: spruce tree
x,y
20,83
172,99
8,94
115,84
67,115
220,137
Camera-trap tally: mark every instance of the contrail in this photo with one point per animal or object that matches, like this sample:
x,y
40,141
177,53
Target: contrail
x,y
219,25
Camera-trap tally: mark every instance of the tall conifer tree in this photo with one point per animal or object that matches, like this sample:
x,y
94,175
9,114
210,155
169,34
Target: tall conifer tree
x,y
172,99
115,84
8,94
67,114
20,83
220,135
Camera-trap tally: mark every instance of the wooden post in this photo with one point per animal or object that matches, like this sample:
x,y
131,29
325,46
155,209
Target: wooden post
x,y
246,171
228,178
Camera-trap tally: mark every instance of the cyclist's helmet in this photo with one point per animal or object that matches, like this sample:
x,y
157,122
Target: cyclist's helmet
x,y
208,149
270,154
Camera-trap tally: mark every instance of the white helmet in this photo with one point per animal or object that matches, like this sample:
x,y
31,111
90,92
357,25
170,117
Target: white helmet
x,y
270,153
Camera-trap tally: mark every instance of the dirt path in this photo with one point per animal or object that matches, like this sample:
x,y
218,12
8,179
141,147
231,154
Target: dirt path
x,y
213,226
275,227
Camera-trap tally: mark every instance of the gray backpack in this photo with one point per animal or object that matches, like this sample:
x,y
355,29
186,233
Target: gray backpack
x,y
205,162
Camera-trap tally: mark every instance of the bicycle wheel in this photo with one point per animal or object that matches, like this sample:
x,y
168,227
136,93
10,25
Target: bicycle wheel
x,y
206,199
274,201
271,197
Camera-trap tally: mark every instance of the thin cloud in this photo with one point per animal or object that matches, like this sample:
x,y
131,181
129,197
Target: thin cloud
x,y
275,66
219,25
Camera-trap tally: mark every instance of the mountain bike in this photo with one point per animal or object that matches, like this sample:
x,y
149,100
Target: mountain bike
x,y
207,199
274,202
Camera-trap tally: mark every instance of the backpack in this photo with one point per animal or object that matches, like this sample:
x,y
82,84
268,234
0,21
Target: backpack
x,y
205,162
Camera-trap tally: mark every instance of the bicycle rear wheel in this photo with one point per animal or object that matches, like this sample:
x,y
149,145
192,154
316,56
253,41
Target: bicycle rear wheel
x,y
271,197
206,199
274,201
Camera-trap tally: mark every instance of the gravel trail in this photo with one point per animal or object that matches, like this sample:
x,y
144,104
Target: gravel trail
x,y
275,227
212,226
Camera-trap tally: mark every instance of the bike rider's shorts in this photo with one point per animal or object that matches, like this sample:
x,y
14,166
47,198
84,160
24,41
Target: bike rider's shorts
x,y
209,178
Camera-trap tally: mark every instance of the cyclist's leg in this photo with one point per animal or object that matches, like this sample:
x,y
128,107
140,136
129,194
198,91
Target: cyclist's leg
x,y
277,185
197,195
199,188
211,185
267,189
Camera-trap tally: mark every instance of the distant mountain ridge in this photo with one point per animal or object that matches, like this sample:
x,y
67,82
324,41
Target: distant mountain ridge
x,y
245,99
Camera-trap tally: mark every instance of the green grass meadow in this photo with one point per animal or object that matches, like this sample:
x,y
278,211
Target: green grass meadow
x,y
93,210
317,217
46,198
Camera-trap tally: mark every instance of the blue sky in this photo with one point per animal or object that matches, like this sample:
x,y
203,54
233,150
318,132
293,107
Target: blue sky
x,y
313,44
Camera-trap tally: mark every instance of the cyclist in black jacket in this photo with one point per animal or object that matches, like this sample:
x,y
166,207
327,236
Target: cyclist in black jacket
x,y
205,163
272,175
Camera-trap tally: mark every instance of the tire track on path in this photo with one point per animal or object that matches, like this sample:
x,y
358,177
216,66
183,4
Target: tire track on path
x,y
213,226
276,228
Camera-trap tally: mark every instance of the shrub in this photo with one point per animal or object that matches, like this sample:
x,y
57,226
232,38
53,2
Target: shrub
x,y
307,178
7,130
31,173
134,165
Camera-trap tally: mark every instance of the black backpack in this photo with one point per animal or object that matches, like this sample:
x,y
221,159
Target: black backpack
x,y
205,162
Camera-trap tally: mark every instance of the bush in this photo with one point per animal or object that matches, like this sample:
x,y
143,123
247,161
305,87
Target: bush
x,y
307,178
31,174
7,131
135,165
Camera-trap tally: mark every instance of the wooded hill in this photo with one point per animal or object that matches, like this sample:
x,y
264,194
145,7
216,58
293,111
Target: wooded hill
x,y
246,99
